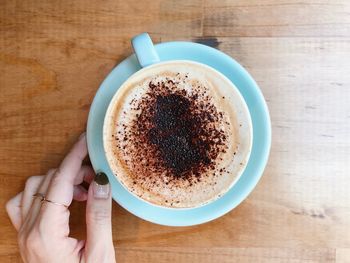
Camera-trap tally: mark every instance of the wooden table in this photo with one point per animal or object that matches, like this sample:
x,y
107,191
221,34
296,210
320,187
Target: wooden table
x,y
54,55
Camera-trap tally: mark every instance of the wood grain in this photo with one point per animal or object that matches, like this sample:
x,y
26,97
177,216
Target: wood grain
x,y
54,55
222,255
277,18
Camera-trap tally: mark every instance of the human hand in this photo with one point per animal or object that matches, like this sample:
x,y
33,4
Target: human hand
x,y
43,226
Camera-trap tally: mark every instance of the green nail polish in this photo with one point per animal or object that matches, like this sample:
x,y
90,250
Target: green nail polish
x,y
101,178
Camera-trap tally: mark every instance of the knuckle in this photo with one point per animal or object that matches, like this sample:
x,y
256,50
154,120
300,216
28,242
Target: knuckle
x,y
9,206
40,225
32,241
100,216
57,172
33,181
51,171
45,230
56,178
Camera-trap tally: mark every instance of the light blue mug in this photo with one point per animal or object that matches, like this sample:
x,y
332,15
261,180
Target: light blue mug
x,y
169,51
235,161
144,50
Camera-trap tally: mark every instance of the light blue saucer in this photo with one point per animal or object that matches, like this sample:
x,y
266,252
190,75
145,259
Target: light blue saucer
x,y
261,134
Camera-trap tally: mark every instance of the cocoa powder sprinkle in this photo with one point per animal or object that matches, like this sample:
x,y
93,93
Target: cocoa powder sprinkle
x,y
174,133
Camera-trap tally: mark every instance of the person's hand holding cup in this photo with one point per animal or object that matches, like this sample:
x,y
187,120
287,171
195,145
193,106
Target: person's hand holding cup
x,y
40,213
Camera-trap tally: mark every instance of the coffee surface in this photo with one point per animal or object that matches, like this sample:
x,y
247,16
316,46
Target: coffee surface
x,y
175,132
172,137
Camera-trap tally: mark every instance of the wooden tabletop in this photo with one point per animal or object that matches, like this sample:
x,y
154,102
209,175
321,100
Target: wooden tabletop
x,y
54,55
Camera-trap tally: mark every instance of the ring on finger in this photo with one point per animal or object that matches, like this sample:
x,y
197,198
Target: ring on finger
x,y
44,199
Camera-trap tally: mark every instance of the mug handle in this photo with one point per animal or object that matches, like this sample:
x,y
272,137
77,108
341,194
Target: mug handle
x,y
144,49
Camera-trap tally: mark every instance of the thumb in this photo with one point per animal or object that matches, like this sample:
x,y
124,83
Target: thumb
x,y
99,242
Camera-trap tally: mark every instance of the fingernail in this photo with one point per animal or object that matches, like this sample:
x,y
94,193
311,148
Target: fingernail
x,y
82,135
101,186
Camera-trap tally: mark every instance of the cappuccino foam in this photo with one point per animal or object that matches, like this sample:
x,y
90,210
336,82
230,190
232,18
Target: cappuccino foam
x,y
174,134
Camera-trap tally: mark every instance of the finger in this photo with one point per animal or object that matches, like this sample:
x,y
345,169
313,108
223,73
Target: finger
x,y
61,186
86,173
98,219
13,208
36,203
80,193
31,188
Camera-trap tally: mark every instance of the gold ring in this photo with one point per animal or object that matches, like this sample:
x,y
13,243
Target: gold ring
x,y
44,199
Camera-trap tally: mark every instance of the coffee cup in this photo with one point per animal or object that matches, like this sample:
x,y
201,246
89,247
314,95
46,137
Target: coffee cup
x,y
176,134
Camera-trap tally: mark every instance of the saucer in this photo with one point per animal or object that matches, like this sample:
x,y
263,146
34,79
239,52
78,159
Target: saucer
x,y
261,135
